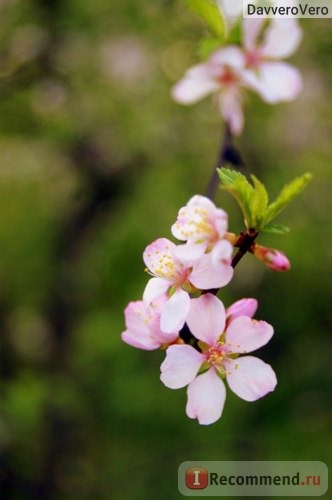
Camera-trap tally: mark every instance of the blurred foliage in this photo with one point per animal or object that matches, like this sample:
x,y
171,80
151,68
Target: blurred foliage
x,y
95,161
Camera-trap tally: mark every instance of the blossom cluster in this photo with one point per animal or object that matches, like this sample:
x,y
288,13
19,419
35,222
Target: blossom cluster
x,y
181,313
256,64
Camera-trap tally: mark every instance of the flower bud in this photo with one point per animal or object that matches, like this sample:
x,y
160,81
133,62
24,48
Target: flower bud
x,y
274,259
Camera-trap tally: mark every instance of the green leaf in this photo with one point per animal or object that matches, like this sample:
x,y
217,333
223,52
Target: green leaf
x,y
287,194
259,202
253,199
240,188
210,13
276,229
235,35
208,45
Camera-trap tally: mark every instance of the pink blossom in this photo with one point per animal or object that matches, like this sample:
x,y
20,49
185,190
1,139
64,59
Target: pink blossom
x,y
255,66
247,376
143,325
273,259
178,276
273,80
201,224
220,74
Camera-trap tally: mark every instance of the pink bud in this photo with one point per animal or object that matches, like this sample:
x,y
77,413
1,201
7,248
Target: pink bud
x,y
274,259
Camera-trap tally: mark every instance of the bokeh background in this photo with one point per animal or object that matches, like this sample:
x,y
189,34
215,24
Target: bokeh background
x,y
95,161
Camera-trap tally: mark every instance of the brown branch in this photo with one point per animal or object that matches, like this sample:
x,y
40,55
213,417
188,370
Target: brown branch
x,y
228,154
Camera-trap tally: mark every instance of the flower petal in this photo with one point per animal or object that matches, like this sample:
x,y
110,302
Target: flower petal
x,y
230,104
200,221
189,252
252,379
180,366
144,341
251,30
136,317
160,336
231,56
197,83
245,334
206,318
206,398
243,307
155,287
175,312
230,8
202,201
282,38
158,257
206,274
275,82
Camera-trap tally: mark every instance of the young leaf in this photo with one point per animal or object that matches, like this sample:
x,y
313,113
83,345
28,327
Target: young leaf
x,y
253,199
241,189
211,14
259,202
288,193
275,229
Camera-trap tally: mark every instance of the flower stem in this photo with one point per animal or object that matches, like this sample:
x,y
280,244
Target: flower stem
x,y
228,153
244,243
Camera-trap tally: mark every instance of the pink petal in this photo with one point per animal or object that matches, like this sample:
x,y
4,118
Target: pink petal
x,y
160,336
202,201
136,317
276,82
188,225
158,257
197,83
155,288
230,8
252,379
251,30
282,38
230,104
206,318
231,56
243,307
245,334
144,341
180,366
175,312
206,398
206,275
222,253
189,252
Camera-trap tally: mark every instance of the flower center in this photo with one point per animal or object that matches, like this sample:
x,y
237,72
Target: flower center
x,y
227,77
165,267
219,356
254,59
216,356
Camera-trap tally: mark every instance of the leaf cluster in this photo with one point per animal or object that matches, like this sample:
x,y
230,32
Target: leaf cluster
x,y
254,200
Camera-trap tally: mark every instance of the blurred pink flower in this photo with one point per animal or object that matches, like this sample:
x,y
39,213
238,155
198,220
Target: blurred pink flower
x,y
273,80
220,74
143,325
178,276
247,376
255,66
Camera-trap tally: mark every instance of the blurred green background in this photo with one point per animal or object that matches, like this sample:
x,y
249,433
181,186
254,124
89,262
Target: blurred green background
x,y
95,161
